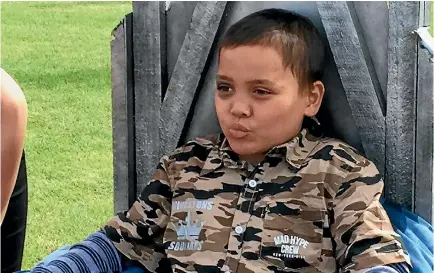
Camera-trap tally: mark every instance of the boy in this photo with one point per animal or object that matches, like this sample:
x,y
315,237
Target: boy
x,y
270,194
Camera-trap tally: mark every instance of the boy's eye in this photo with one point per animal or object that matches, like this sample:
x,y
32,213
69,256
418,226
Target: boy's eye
x,y
262,92
224,88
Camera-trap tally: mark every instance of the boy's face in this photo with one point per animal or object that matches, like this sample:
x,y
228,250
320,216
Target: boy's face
x,y
258,101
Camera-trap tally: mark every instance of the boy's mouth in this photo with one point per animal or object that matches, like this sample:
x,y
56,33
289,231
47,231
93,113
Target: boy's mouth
x,y
239,127
239,131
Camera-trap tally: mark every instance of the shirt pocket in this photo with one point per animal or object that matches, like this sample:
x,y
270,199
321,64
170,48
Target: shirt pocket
x,y
292,238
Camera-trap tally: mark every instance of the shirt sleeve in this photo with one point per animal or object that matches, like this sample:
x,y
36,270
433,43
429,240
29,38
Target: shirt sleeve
x,y
95,254
138,232
363,234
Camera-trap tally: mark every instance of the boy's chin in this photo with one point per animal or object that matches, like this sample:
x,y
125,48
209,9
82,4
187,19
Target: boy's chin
x,y
245,148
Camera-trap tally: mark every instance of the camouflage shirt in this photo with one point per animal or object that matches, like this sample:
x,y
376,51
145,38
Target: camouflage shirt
x,y
311,206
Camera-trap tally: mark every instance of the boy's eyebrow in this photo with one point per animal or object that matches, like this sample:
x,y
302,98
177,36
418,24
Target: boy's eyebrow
x,y
223,77
255,81
261,81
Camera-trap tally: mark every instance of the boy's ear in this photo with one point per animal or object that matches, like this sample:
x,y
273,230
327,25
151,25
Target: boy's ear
x,y
314,99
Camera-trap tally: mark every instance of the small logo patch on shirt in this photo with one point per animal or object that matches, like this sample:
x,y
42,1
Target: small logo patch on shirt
x,y
289,246
188,234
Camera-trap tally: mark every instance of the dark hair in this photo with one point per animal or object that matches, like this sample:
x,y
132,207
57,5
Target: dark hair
x,y
293,35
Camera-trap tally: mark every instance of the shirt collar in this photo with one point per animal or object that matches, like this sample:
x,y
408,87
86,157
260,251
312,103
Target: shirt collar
x,y
296,150
220,155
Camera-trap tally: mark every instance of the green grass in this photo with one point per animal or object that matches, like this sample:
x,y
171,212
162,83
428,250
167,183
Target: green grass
x,y
432,18
60,55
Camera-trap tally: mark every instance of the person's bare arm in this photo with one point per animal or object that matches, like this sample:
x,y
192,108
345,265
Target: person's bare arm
x,y
13,130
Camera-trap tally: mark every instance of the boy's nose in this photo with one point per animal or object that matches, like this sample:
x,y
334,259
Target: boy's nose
x,y
241,109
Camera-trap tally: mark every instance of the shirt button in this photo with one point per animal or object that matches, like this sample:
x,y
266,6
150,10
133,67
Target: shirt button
x,y
252,183
239,229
